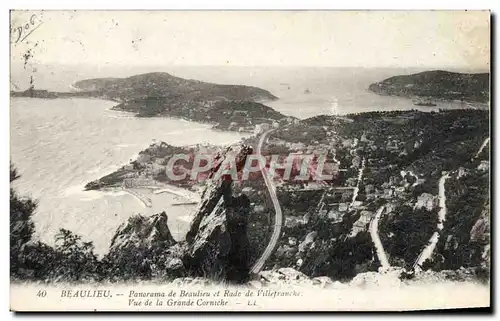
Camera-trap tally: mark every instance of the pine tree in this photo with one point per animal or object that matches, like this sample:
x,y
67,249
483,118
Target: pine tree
x,y
21,225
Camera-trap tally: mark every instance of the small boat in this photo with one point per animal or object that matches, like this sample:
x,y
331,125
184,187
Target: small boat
x,y
427,102
307,91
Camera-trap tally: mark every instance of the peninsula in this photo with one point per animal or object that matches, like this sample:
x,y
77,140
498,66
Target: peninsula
x,y
227,107
437,85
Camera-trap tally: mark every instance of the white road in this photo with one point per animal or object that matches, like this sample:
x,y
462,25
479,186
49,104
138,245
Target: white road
x,y
360,178
486,141
278,218
429,249
382,257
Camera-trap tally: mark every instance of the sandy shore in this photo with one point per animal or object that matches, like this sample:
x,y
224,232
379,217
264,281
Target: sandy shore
x,y
182,192
178,203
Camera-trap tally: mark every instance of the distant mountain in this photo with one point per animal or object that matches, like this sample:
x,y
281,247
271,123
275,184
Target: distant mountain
x,y
437,84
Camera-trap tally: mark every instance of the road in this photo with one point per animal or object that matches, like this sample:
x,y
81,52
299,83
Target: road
x,y
486,141
360,177
429,249
278,218
382,257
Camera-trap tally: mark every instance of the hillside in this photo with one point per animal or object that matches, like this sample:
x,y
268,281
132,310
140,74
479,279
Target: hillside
x,y
395,163
227,107
163,85
413,167
413,198
437,84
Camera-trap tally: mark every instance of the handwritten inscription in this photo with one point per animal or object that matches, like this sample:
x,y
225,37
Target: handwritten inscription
x,y
21,32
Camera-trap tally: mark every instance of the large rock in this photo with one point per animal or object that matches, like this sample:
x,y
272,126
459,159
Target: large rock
x,y
217,241
143,231
143,248
209,248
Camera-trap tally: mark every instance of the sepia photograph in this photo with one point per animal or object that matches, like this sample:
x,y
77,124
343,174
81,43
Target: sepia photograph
x,y
165,160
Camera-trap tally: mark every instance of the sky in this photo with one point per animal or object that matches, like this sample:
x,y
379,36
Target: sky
x,y
421,39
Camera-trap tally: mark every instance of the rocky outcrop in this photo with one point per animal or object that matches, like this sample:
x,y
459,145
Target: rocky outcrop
x,y
216,245
480,237
143,247
144,232
217,242
208,245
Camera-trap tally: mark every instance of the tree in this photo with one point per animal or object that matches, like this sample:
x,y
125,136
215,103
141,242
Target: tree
x,y
70,260
21,225
76,259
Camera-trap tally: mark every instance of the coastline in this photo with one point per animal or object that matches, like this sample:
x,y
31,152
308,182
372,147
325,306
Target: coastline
x,y
114,202
182,192
189,196
162,202
145,201
466,104
171,189
210,124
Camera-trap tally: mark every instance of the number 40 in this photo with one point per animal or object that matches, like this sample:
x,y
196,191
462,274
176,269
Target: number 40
x,y
41,293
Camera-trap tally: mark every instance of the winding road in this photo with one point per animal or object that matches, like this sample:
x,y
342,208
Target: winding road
x,y
382,257
429,249
278,218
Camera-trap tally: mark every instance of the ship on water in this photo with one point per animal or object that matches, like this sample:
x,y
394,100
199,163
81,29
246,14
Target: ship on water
x,y
424,102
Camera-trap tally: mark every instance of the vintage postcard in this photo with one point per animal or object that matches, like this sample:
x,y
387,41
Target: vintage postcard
x,y
249,160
